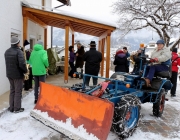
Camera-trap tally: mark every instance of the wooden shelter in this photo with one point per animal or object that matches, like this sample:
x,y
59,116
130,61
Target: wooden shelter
x,y
71,23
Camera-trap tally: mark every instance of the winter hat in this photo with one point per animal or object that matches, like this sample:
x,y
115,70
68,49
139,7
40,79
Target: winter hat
x,y
93,44
174,50
14,40
119,51
26,43
160,41
40,42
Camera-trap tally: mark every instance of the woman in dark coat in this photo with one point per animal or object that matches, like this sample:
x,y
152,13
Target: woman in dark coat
x,y
79,56
120,61
71,61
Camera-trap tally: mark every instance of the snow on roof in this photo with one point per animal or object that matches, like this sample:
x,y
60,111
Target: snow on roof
x,y
70,14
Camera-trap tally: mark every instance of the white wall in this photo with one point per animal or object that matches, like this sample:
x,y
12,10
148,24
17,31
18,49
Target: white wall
x,y
35,30
11,20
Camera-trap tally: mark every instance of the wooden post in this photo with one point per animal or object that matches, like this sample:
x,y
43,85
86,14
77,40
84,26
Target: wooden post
x,y
45,38
72,39
25,27
99,46
102,51
108,55
66,64
99,49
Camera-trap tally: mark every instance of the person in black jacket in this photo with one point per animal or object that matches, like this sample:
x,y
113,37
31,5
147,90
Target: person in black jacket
x,y
137,59
28,82
79,56
15,70
92,65
120,61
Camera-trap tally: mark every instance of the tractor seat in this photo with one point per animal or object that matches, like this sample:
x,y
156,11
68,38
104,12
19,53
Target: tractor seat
x,y
164,74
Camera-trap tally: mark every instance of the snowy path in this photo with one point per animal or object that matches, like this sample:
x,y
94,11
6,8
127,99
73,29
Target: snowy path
x,y
21,126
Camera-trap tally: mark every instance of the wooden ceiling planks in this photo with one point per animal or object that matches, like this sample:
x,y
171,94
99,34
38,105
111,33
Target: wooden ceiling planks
x,y
60,21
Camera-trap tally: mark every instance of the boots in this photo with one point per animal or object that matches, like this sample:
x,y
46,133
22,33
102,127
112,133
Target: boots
x,y
147,81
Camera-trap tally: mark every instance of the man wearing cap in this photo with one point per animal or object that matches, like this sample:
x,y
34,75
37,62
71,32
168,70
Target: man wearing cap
x,y
92,65
160,60
39,62
15,70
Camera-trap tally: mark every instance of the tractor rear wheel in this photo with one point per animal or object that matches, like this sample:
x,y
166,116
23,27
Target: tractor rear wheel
x,y
126,116
158,107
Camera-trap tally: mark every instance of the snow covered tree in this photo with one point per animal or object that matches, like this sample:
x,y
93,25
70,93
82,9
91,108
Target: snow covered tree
x,y
161,15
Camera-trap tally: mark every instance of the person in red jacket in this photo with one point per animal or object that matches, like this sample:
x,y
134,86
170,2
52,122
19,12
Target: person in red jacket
x,y
175,64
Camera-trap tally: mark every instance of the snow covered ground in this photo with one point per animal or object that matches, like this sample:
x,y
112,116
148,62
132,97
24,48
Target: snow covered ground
x,y
21,126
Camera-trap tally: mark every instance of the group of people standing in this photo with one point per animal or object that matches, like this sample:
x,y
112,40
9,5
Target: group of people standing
x,y
16,62
92,58
76,57
20,62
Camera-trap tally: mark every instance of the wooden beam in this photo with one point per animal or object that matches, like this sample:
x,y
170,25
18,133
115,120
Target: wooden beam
x,y
66,64
102,62
72,39
73,19
99,45
45,38
108,45
36,20
100,50
25,28
105,34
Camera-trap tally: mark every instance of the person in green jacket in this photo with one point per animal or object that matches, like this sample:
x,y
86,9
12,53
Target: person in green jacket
x,y
39,62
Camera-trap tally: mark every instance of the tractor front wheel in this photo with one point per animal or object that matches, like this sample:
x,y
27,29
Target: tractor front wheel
x,y
126,116
158,107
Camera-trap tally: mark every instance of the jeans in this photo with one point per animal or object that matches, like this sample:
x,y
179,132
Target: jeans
x,y
37,80
15,96
150,70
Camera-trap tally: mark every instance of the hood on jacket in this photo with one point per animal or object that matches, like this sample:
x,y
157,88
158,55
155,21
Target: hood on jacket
x,y
121,55
38,47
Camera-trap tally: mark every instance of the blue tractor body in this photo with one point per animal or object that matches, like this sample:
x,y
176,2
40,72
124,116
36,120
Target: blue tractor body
x,y
127,92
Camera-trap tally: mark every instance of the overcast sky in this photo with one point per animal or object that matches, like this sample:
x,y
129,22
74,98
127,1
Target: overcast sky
x,y
97,9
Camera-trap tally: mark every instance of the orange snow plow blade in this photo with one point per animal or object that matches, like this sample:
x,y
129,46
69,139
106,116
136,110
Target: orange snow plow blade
x,y
75,114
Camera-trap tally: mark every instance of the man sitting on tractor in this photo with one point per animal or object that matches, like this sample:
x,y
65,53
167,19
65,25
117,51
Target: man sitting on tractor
x,y
160,61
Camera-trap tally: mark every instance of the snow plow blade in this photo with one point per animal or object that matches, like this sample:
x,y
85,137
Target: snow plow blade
x,y
77,115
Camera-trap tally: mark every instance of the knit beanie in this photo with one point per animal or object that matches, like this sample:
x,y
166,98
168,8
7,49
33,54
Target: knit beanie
x,y
14,40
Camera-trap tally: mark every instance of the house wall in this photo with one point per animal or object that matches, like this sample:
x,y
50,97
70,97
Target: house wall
x,y
11,21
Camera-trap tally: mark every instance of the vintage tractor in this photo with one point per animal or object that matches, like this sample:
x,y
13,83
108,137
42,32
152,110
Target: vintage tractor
x,y
128,92
90,112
